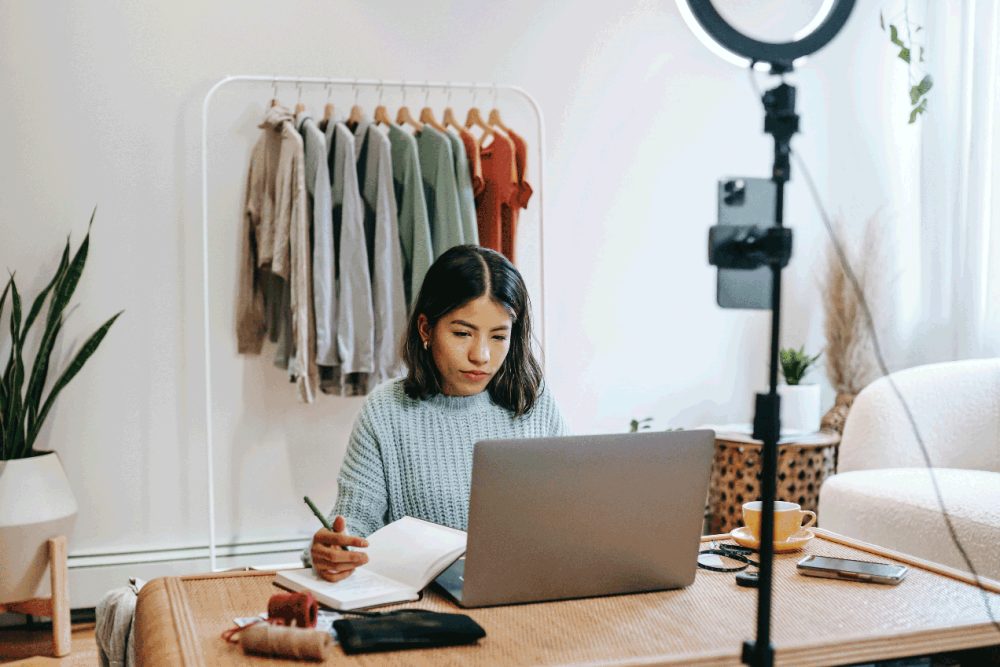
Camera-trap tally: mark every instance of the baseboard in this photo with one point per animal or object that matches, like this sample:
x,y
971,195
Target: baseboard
x,y
77,617
9,620
93,574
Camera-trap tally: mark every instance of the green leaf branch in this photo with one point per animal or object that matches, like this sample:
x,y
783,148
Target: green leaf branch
x,y
918,89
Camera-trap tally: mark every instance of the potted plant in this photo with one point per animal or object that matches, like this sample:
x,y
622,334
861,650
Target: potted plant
x,y
36,502
799,402
637,425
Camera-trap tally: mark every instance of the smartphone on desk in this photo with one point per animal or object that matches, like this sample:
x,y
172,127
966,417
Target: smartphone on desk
x,y
851,570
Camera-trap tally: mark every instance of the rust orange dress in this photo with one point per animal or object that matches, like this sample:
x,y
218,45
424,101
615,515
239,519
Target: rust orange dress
x,y
510,214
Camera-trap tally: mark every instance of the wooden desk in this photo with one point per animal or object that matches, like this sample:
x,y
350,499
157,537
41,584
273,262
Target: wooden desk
x,y
816,621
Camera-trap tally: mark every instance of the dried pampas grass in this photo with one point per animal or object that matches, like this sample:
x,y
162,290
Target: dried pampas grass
x,y
850,357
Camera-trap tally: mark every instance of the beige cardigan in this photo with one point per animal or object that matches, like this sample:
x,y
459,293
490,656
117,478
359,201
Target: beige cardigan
x,y
276,239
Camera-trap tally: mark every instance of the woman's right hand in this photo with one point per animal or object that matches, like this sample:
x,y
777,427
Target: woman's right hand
x,y
330,558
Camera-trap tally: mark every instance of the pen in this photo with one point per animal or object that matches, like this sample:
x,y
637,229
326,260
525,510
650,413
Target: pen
x,y
319,515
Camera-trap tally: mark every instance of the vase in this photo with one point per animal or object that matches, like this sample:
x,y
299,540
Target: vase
x,y
836,417
799,407
36,504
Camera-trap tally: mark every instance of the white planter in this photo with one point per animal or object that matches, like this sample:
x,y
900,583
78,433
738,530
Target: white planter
x,y
36,504
799,407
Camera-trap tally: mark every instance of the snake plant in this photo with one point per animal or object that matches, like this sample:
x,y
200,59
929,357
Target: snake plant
x,y
22,410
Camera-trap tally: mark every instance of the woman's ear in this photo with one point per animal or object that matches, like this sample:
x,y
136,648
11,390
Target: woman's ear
x,y
424,327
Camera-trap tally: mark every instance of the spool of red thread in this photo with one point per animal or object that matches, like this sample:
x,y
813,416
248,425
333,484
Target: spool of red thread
x,y
293,609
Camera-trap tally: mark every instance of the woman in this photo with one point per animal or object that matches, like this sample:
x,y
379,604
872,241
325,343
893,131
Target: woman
x,y
472,377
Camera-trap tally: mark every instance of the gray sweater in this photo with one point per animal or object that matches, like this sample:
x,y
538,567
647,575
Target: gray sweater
x,y
413,457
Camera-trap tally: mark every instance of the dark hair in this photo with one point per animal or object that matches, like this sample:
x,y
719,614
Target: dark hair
x,y
462,274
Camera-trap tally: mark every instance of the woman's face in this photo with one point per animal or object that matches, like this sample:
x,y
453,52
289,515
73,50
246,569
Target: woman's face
x,y
468,344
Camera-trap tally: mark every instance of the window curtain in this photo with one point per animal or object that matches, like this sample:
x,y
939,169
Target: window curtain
x,y
960,182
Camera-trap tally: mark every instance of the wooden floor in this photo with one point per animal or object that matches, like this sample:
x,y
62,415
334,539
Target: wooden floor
x,y
23,647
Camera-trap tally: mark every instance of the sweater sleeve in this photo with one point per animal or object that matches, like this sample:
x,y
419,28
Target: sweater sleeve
x,y
362,497
388,297
355,320
251,324
324,277
555,420
446,225
422,251
303,317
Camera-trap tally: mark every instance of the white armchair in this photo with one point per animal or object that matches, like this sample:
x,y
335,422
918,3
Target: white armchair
x,y
883,494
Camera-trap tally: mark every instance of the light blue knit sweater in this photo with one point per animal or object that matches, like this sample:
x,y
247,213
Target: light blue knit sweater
x,y
413,457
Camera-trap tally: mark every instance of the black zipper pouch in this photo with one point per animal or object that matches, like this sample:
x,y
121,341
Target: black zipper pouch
x,y
406,628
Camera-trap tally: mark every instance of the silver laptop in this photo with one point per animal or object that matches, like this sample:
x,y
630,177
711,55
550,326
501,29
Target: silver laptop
x,y
582,516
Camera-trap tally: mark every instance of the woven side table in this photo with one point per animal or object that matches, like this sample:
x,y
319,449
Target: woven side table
x,y
802,467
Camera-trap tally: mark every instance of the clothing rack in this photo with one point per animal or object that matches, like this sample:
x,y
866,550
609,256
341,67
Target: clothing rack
x,y
355,84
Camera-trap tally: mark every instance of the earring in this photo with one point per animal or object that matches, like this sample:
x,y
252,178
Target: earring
x,y
426,345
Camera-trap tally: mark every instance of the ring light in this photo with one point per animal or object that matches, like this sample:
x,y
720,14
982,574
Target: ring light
x,y
736,48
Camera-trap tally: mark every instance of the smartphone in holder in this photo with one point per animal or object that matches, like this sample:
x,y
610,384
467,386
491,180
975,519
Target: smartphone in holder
x,y
746,202
851,570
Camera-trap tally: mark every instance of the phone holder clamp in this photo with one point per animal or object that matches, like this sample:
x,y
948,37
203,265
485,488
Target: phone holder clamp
x,y
749,247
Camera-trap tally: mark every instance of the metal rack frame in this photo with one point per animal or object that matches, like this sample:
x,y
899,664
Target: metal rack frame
x,y
356,84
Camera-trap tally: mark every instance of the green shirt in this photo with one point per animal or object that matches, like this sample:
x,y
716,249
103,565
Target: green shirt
x,y
414,230
437,166
466,198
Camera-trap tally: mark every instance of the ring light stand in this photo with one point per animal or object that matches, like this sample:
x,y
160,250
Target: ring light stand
x,y
753,247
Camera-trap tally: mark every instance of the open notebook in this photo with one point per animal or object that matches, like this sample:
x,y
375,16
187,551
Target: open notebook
x,y
403,558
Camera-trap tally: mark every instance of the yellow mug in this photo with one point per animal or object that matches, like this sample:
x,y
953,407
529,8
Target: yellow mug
x,y
787,519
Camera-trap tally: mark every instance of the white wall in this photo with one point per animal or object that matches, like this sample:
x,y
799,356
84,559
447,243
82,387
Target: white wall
x,y
103,106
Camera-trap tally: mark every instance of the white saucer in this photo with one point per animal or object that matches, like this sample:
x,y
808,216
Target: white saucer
x,y
745,538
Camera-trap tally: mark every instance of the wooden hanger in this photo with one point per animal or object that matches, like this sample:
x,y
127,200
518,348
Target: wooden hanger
x,y
299,108
473,119
328,109
356,110
274,99
427,117
403,116
449,115
495,121
381,115
449,119
427,114
355,117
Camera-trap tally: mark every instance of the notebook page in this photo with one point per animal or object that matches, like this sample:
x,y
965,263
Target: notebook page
x,y
364,585
409,549
360,589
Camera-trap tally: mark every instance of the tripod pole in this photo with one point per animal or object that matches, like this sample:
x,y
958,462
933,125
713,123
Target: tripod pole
x,y
782,122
